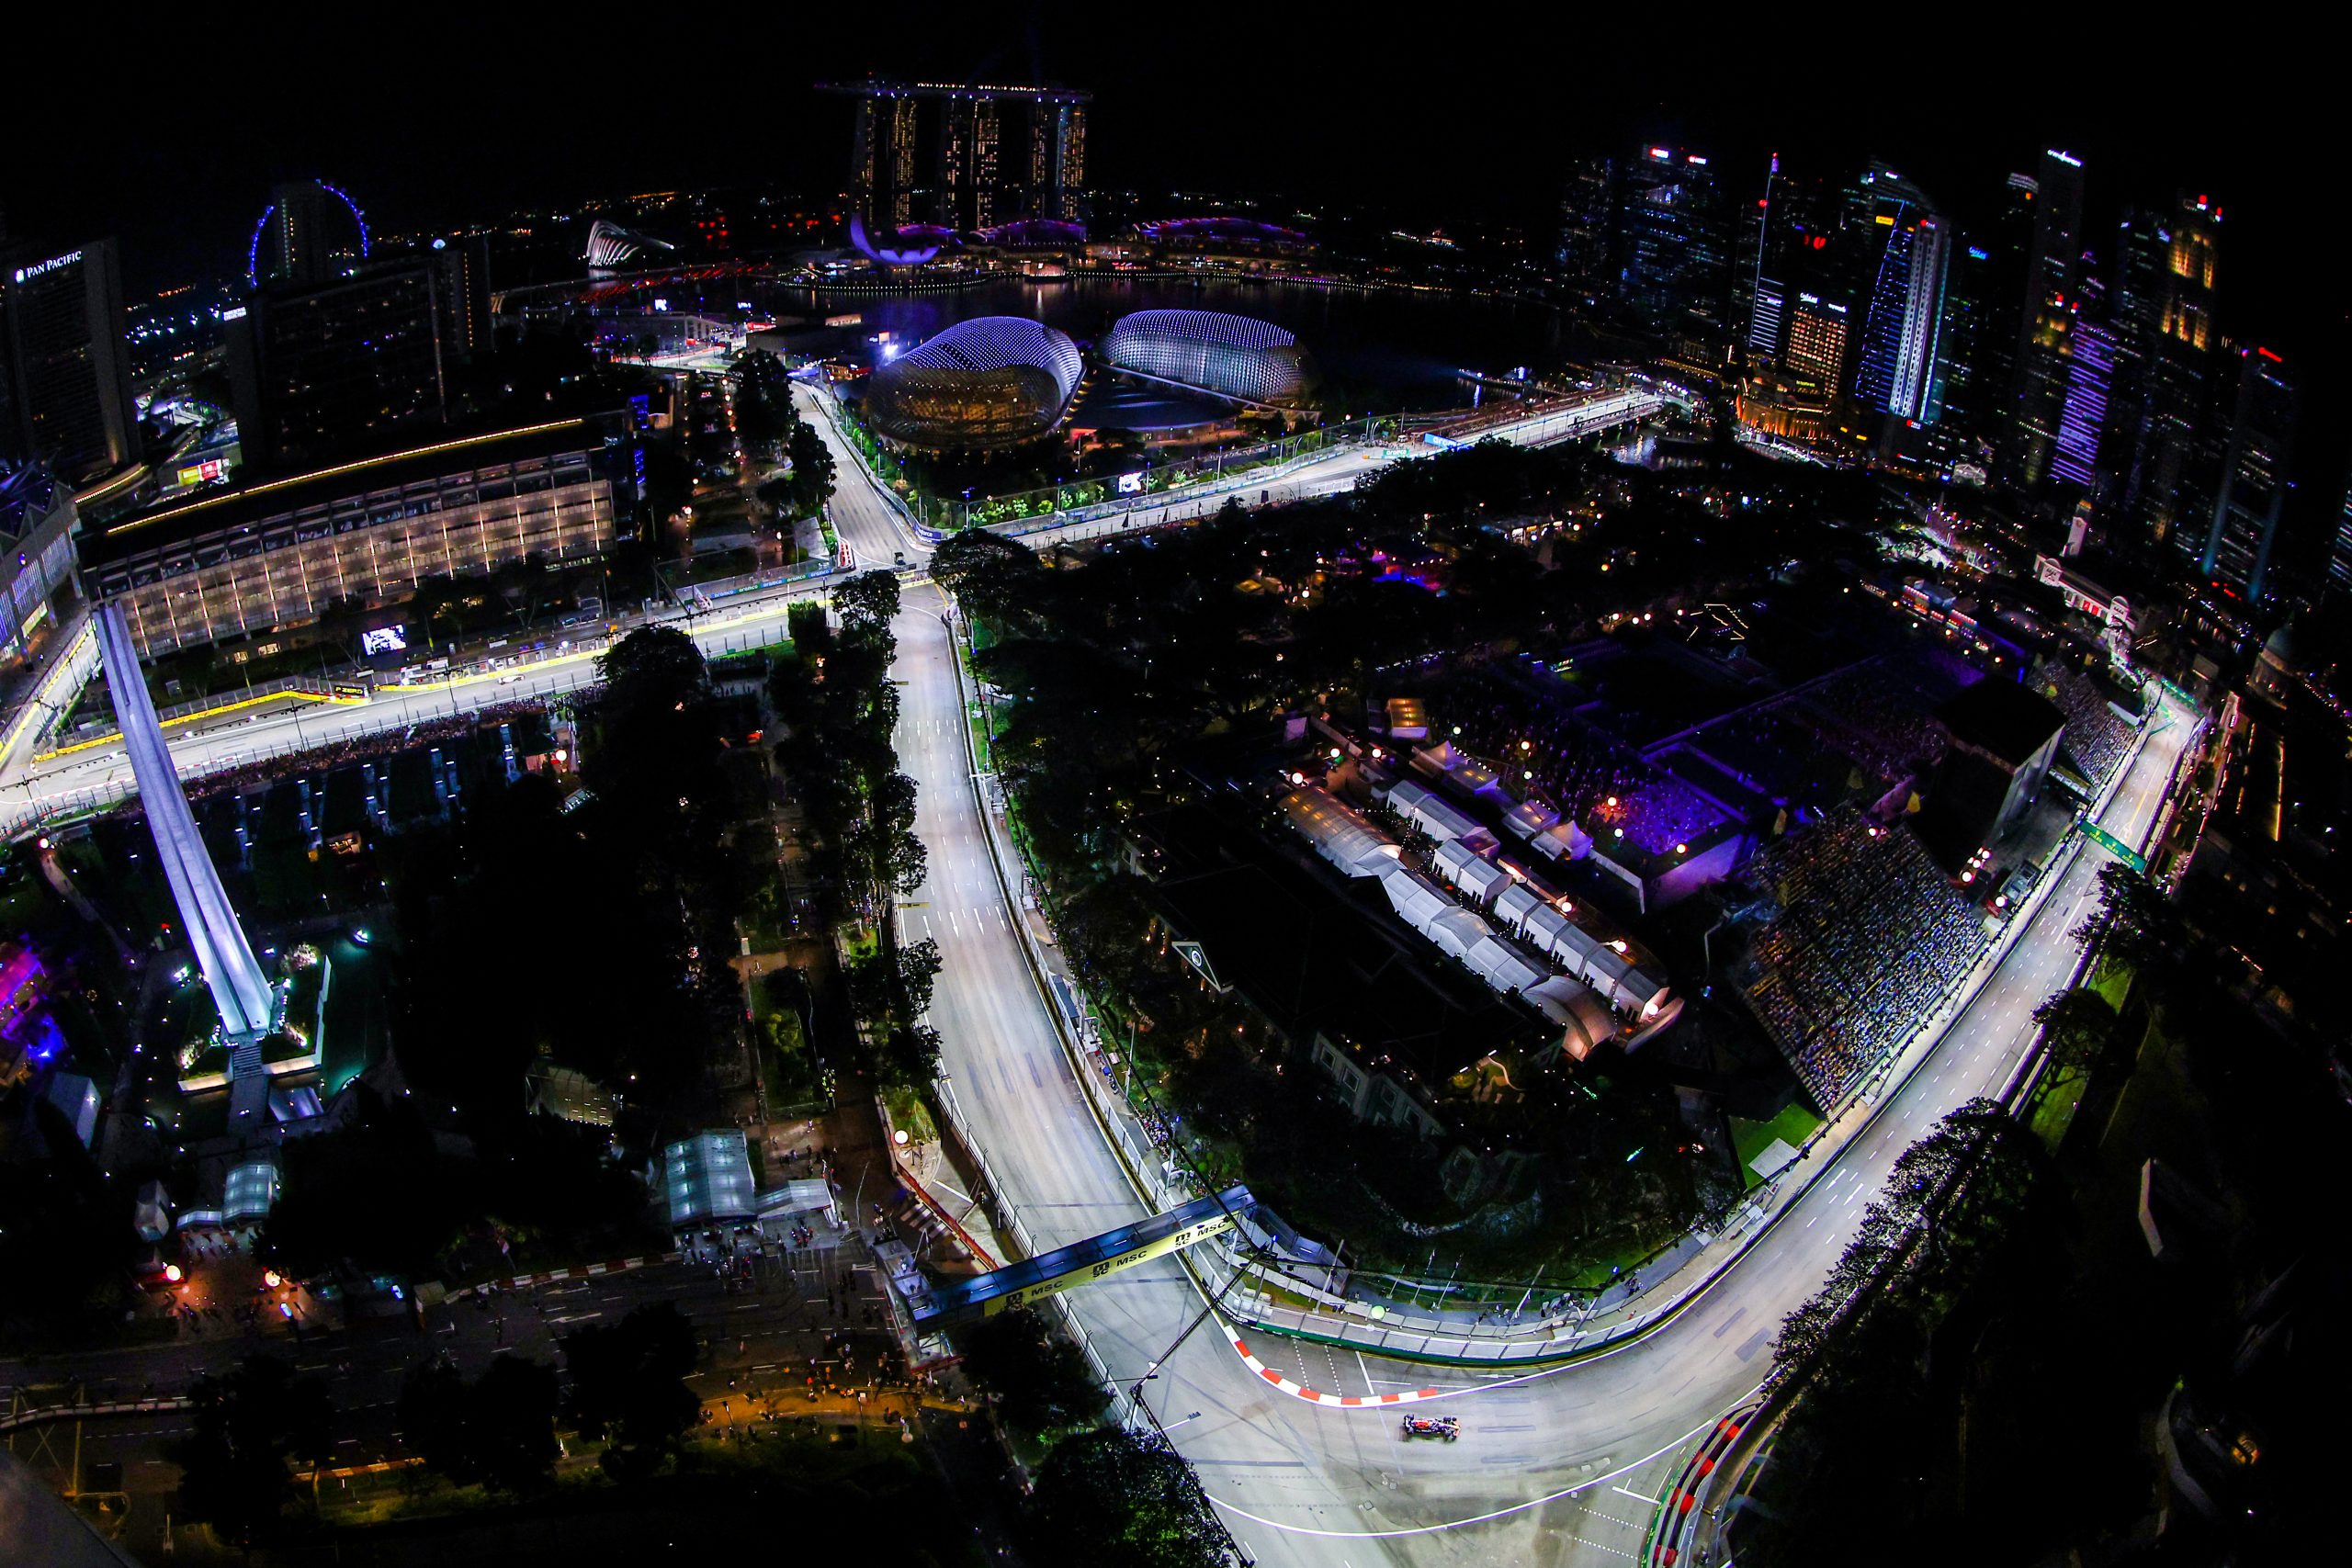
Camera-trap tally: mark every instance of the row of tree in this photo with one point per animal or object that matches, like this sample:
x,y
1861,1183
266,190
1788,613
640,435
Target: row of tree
x,y
259,1430
839,708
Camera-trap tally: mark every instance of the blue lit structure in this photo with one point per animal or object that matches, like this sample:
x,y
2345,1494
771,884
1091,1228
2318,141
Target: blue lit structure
x,y
239,989
1903,350
990,382
1233,355
1212,233
909,246
1081,1263
261,229
2091,371
1035,233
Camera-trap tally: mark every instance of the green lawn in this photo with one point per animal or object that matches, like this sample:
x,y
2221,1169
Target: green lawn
x,y
1792,1127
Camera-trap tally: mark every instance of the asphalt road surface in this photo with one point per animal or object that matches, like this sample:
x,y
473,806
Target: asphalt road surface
x,y
1552,1468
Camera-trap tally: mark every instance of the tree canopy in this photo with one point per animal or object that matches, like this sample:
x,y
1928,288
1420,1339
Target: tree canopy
x,y
252,1426
1113,1496
628,1386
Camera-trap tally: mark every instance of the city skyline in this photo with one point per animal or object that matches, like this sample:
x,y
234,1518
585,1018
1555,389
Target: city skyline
x,y
1045,787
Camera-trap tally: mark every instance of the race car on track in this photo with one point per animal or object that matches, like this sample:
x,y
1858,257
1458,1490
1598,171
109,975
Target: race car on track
x,y
1446,1426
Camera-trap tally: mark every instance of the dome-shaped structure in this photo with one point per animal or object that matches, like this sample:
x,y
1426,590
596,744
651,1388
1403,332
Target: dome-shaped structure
x,y
990,381
1224,233
1235,356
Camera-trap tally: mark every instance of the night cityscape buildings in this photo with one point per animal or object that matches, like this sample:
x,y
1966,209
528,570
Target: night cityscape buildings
x,y
64,370
964,157
1618,755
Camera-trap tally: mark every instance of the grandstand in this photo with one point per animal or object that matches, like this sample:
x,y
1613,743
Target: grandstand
x,y
1868,935
2097,737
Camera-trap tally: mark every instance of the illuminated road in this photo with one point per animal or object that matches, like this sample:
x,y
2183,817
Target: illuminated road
x,y
1563,1452
1556,1468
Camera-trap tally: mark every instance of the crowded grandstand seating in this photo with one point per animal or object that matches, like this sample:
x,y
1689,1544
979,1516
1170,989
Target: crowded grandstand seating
x,y
2095,737
1870,933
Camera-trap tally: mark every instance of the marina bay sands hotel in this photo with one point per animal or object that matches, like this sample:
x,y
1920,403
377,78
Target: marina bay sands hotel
x,y
964,157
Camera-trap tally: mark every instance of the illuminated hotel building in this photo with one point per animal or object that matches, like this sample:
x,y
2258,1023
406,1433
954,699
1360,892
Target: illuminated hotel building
x,y
1818,339
268,556
950,165
64,375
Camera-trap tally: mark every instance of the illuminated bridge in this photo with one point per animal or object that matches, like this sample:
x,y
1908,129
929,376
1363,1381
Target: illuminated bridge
x,y
1082,1263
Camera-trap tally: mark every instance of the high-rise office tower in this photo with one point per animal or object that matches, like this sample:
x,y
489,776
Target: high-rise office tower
x,y
2083,419
1818,340
1988,297
1788,244
2339,550
1901,365
1759,295
327,372
64,371
1584,259
1977,345
1675,259
2244,527
2170,485
461,294
2050,265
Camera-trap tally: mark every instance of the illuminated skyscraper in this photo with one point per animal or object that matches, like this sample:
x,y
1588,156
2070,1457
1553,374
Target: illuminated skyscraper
x,y
64,375
1584,260
2339,550
960,144
1674,254
2039,394
2170,484
2082,420
902,160
1818,339
1901,368
1788,245
2244,527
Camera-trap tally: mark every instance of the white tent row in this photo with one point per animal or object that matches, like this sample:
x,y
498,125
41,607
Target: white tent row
x,y
1338,835
1445,761
1584,955
1356,848
1562,841
1416,803
1459,862
1415,899
1529,818
1584,1021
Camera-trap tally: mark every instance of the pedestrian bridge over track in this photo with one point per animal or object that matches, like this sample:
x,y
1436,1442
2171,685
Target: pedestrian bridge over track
x,y
1082,1263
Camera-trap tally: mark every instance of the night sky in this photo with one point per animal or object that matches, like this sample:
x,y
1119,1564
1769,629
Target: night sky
x,y
434,115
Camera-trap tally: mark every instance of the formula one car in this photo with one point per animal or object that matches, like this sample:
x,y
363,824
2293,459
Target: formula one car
x,y
1446,1426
